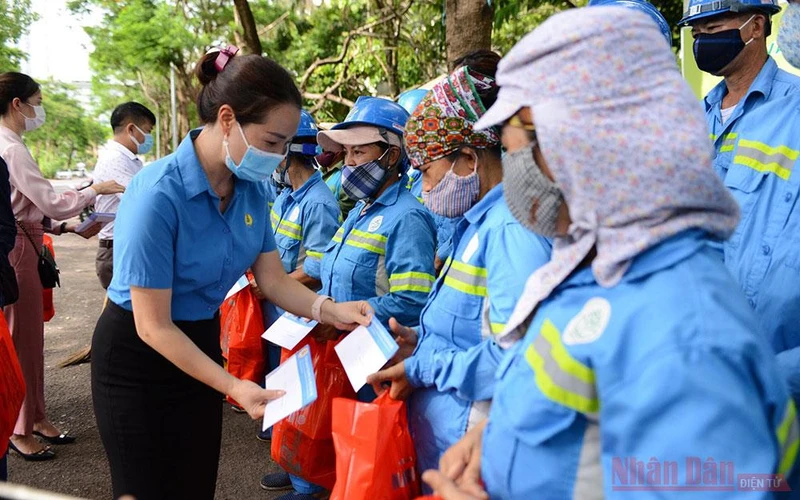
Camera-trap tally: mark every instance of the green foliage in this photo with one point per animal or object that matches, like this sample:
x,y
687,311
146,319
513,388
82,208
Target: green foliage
x,y
68,136
391,46
16,17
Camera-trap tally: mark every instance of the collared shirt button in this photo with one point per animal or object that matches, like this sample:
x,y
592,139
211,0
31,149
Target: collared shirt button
x,y
787,197
210,308
751,302
765,249
226,230
227,261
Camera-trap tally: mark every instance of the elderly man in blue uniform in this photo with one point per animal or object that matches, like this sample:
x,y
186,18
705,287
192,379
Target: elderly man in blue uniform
x,y
730,40
764,252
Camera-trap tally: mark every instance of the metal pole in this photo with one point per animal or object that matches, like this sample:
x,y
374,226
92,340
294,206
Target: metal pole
x,y
173,107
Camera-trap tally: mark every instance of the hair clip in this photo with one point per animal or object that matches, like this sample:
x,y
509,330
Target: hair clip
x,y
225,55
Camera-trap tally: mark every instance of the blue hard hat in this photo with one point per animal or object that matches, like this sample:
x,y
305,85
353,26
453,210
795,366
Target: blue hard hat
x,y
699,9
410,99
307,129
376,112
641,6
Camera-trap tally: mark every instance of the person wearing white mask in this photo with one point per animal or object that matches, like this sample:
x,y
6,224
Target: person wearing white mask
x,y
132,124
35,204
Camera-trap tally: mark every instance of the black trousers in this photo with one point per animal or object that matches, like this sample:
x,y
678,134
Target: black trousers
x,y
161,428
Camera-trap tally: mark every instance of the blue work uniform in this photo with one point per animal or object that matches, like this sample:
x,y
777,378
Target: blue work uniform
x,y
444,225
170,234
455,360
272,190
763,255
659,378
303,223
772,83
383,253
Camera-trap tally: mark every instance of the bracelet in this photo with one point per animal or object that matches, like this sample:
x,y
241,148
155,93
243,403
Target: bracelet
x,y
316,308
63,228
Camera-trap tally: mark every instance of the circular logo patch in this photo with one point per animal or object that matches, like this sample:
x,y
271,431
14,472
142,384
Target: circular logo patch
x,y
589,323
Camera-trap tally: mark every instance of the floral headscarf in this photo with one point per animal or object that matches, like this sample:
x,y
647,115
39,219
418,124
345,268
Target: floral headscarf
x,y
443,121
623,136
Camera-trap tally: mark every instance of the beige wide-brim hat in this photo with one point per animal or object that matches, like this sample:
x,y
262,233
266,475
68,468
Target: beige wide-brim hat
x,y
335,140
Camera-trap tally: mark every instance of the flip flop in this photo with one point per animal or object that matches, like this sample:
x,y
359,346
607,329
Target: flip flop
x,y
39,456
62,438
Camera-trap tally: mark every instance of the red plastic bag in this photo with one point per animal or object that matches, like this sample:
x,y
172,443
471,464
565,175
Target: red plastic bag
x,y
302,442
375,457
12,385
47,293
241,326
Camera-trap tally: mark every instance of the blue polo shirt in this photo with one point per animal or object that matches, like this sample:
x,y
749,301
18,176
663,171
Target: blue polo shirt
x,y
170,234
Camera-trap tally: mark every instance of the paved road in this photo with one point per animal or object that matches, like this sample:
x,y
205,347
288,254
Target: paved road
x,y
81,469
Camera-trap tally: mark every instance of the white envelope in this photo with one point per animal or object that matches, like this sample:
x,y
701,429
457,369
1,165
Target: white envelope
x,y
237,287
364,351
288,330
296,377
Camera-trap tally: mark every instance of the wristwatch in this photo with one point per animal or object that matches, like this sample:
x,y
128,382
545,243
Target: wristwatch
x,y
316,308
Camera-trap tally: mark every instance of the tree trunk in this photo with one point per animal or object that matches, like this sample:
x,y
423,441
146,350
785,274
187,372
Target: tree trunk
x,y
469,27
245,15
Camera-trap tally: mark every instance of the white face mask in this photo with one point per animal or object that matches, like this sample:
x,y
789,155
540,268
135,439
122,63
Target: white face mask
x,y
37,120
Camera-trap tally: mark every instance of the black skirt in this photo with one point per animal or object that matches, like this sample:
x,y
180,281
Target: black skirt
x,y
161,428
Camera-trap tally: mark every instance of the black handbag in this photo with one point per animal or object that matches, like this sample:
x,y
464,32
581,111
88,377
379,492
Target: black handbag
x,y
8,283
48,270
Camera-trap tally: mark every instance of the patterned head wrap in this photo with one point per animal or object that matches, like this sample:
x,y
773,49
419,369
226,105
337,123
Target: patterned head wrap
x,y
443,121
623,136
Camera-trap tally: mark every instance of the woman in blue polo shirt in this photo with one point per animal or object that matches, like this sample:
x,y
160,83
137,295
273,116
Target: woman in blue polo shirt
x,y
188,228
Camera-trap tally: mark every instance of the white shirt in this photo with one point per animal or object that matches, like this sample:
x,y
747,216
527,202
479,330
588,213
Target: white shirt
x,y
114,163
726,114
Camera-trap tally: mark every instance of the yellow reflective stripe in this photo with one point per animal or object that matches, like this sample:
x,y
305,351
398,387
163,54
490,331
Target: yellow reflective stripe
x,y
338,236
378,238
290,234
761,157
497,327
469,269
274,218
411,281
559,376
713,137
313,254
292,225
728,143
788,438
364,246
368,241
466,278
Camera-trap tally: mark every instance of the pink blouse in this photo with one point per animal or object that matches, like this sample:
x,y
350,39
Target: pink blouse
x,y
32,196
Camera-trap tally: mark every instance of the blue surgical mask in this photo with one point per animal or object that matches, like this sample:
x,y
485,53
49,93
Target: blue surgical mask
x,y
789,34
256,165
145,147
